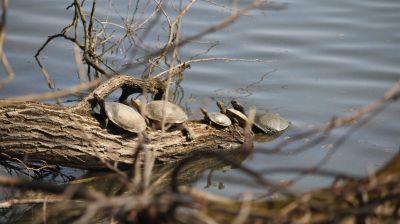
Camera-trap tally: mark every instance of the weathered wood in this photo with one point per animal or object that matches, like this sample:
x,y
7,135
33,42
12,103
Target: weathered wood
x,y
128,84
71,136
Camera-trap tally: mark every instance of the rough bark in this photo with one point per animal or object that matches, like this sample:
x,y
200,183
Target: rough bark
x,y
71,136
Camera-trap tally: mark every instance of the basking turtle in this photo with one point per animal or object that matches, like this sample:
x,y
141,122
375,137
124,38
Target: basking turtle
x,y
265,122
122,115
173,115
233,114
216,118
269,122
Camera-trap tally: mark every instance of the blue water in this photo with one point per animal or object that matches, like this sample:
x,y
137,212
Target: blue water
x,y
323,59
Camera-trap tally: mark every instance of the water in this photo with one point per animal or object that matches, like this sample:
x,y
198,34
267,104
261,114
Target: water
x,y
319,59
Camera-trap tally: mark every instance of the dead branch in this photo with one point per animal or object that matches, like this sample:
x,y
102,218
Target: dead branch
x,y
3,57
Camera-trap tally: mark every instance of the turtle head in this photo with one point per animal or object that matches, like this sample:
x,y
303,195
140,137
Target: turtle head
x,y
221,107
237,106
136,103
204,111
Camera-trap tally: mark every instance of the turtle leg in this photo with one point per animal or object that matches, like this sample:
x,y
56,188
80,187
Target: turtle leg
x,y
187,132
106,122
238,106
100,101
143,137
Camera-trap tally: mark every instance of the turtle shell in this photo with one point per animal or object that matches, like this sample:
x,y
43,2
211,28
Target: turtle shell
x,y
217,118
237,115
125,117
270,122
173,113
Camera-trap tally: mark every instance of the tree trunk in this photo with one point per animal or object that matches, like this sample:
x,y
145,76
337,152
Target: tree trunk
x,y
71,136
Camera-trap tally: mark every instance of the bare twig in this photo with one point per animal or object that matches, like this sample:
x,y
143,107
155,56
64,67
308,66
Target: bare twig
x,y
52,95
244,209
12,202
390,95
3,57
224,23
78,192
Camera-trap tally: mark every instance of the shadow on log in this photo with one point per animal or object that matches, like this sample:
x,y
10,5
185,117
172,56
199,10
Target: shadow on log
x,y
71,136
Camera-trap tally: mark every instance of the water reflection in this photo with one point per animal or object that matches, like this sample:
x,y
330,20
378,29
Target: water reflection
x,y
163,178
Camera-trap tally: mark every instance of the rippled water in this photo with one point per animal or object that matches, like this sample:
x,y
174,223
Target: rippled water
x,y
320,59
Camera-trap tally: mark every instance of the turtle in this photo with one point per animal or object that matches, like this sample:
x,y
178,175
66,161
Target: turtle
x,y
265,122
269,122
174,115
122,115
216,118
233,114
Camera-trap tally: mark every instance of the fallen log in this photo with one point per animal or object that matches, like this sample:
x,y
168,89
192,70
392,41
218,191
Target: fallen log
x,y
73,137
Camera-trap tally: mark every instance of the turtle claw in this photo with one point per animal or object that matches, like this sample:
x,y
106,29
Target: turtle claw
x,y
188,133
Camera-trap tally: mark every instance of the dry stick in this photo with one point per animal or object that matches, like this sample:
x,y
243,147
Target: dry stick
x,y
224,23
76,42
88,54
35,170
49,39
12,202
78,61
149,155
90,28
25,169
73,23
122,176
309,170
162,54
44,213
3,57
92,40
146,31
337,144
141,179
245,209
171,38
204,196
52,95
86,32
188,215
168,83
85,28
376,107
41,66
368,208
119,42
148,168
172,25
252,173
184,65
391,94
175,54
78,192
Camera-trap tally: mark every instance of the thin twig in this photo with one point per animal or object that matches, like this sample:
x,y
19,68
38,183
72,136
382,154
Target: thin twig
x,y
3,57
52,95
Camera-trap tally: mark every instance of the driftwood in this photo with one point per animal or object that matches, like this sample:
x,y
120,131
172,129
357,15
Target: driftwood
x,y
71,136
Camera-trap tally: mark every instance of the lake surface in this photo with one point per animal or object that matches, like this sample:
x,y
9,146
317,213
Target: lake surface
x,y
320,59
